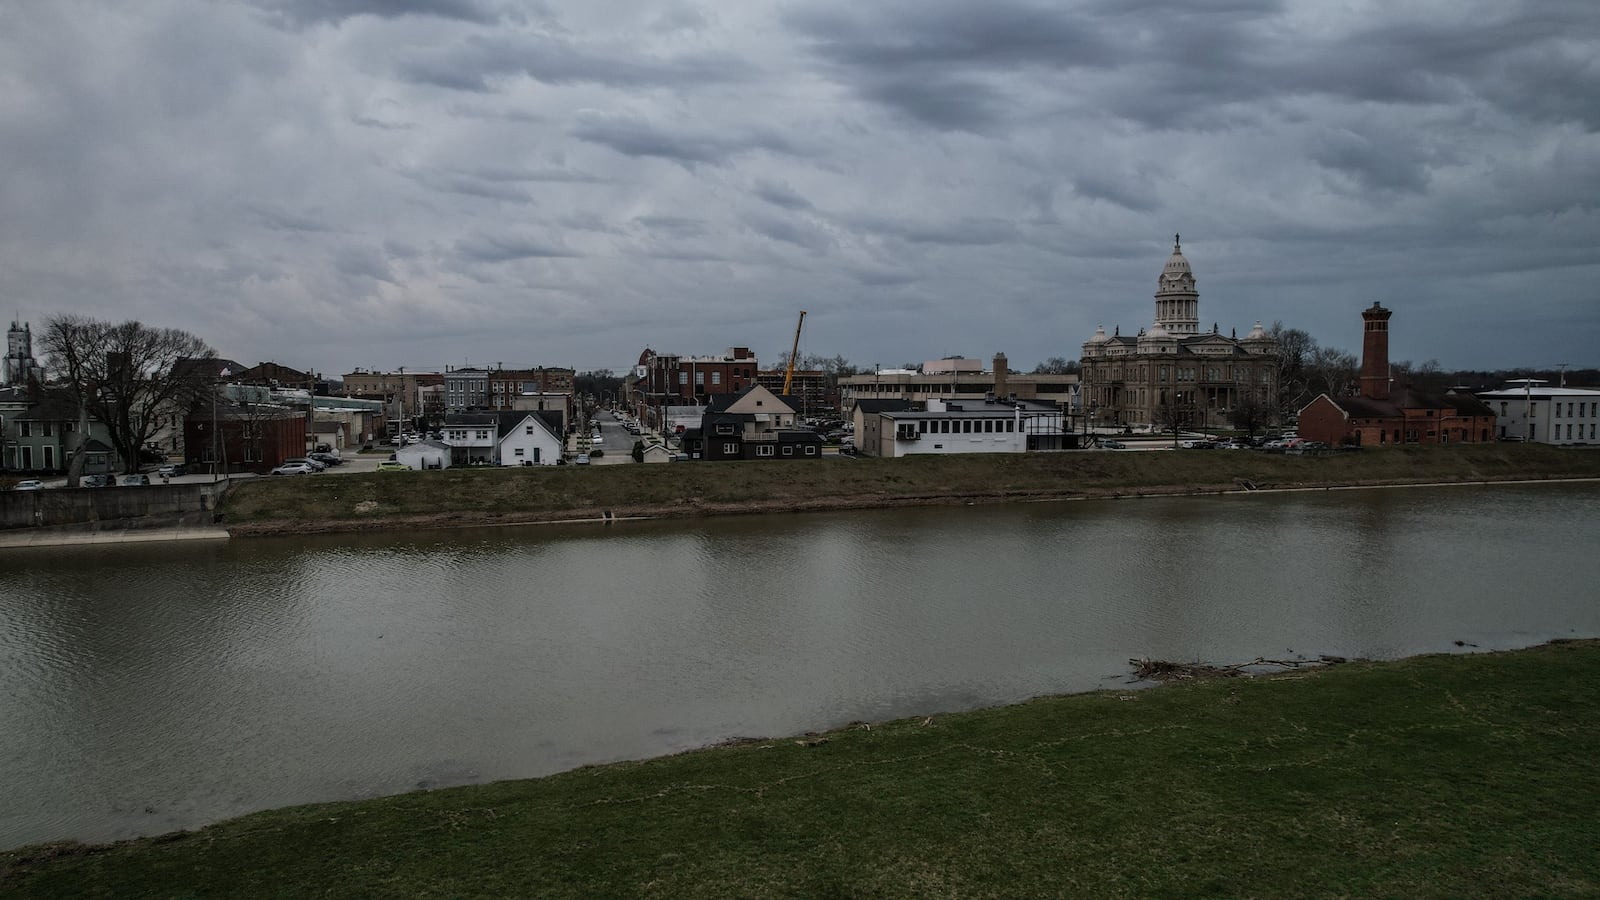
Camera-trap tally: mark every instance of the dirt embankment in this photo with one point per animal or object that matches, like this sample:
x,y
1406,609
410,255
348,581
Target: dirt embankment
x,y
478,496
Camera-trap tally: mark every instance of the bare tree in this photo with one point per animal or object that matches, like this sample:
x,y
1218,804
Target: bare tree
x,y
1331,371
1295,347
1249,415
1174,417
1056,365
125,376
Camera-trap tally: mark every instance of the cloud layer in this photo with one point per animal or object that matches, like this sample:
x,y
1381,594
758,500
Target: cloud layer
x,y
432,182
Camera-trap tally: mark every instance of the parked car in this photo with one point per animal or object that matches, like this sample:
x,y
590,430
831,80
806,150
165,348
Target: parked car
x,y
390,465
139,480
98,481
327,459
294,468
172,470
582,460
1113,445
32,484
315,466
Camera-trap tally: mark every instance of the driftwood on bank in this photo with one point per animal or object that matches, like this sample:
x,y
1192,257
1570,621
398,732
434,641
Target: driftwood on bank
x,y
1146,669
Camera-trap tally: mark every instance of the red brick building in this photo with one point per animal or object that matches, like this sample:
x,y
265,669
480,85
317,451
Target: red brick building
x,y
662,380
1387,415
250,440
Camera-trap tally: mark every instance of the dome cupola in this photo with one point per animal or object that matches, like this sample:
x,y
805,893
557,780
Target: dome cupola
x,y
1177,299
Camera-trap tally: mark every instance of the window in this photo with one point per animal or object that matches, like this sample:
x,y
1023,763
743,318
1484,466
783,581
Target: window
x,y
724,429
27,431
730,449
811,450
764,449
716,377
1010,425
699,379
788,451
922,427
683,377
483,434
519,451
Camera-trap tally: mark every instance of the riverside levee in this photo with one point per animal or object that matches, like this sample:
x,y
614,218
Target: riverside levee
x,y
154,687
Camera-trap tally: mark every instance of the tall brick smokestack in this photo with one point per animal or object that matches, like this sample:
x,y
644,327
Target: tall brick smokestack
x,y
1375,352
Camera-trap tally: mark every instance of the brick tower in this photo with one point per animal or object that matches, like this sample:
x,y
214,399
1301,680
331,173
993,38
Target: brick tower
x,y
1375,352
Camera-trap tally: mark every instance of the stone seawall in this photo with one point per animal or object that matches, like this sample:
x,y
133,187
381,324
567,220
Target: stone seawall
x,y
120,506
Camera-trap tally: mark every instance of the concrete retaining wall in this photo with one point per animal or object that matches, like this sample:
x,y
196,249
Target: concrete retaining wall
x,y
61,506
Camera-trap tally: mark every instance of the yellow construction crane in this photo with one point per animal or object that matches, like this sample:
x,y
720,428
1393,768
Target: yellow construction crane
x,y
788,374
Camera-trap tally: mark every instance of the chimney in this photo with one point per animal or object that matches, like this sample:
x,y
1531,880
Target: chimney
x,y
1001,374
1375,352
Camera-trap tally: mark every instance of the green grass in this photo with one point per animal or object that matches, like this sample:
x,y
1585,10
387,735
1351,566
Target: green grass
x,y
468,496
1437,776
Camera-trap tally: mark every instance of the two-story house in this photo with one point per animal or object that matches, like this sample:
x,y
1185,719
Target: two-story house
x,y
521,438
39,433
752,424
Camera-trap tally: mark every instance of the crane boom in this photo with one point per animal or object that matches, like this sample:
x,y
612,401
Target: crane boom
x,y
788,374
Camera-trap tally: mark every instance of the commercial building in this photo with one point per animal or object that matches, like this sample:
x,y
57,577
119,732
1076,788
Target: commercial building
x,y
958,378
1530,410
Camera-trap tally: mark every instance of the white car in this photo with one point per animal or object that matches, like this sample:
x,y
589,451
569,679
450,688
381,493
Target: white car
x,y
315,466
32,484
294,468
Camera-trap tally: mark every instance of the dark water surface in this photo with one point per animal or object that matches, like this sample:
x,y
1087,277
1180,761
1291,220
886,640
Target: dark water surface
x,y
145,688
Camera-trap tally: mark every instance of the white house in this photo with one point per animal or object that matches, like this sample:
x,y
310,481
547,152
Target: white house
x,y
518,438
425,455
530,438
1530,410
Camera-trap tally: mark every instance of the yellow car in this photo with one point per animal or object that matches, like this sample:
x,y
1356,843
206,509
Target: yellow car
x,y
392,466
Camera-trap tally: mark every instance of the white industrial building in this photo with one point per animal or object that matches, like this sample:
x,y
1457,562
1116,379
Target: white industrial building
x,y
1530,410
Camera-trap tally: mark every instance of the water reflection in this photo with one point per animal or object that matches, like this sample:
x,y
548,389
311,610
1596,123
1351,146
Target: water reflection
x,y
159,686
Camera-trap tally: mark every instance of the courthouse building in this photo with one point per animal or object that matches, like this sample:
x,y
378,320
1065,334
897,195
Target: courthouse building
x,y
1173,371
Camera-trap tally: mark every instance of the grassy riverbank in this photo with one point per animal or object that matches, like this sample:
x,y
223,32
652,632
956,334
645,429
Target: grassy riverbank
x,y
1435,776
488,496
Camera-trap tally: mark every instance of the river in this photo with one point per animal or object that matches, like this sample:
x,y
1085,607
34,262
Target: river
x,y
148,688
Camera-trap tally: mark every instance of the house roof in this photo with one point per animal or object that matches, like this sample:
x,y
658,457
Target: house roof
x,y
719,402
1406,398
472,419
508,422
798,436
552,419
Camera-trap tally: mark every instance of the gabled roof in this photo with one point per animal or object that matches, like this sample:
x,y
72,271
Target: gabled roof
x,y
1406,398
720,402
552,419
507,423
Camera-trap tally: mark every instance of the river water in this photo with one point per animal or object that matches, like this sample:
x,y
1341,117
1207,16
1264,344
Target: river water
x,y
145,688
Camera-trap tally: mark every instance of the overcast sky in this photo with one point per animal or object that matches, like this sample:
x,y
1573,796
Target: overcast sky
x,y
333,184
